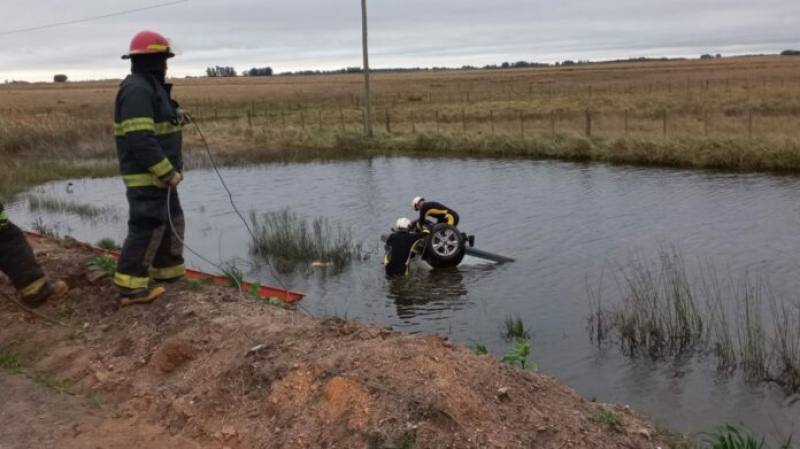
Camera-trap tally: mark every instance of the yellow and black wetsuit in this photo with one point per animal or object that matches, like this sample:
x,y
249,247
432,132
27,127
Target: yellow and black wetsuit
x,y
399,247
439,211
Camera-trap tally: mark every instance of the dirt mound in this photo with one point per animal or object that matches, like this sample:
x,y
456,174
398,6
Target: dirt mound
x,y
210,368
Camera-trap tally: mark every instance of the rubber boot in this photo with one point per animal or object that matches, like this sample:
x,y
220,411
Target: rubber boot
x,y
52,290
143,296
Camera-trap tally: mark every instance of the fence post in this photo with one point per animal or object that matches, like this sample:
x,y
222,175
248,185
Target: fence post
x,y
588,123
388,121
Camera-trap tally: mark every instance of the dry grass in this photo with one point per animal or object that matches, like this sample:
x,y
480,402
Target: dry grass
x,y
693,111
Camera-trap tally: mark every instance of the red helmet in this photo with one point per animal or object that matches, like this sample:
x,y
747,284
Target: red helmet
x,y
148,42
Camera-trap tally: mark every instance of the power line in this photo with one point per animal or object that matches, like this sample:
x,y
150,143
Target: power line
x,y
88,19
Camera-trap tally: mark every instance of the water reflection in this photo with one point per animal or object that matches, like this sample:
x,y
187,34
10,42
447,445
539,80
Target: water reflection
x,y
426,291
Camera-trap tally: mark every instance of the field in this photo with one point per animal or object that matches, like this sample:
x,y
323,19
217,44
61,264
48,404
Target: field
x,y
732,113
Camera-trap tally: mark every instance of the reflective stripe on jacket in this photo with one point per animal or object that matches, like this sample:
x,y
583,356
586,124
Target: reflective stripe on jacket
x,y
147,130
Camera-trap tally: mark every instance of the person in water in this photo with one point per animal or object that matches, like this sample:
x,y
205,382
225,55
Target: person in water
x,y
400,248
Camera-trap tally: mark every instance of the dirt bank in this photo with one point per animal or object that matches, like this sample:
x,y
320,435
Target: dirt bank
x,y
208,368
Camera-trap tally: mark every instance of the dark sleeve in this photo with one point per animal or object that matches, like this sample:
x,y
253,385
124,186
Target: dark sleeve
x,y
138,129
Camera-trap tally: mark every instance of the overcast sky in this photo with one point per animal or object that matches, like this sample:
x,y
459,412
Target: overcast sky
x,y
290,35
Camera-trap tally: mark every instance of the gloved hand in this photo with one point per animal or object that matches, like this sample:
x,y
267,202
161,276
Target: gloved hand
x,y
184,117
175,179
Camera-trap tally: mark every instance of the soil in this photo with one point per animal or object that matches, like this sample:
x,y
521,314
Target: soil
x,y
210,368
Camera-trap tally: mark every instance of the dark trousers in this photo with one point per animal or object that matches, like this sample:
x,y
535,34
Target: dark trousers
x,y
151,247
18,262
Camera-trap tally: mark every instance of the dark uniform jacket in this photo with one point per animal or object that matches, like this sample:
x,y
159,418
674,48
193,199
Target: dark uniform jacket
x,y
399,247
148,131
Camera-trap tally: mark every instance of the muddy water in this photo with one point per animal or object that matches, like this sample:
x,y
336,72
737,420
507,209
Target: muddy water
x,y
566,224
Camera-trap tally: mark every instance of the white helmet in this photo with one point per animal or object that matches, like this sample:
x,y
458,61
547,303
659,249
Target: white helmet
x,y
416,200
403,223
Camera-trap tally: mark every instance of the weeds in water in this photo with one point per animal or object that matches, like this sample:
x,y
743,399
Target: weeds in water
x,y
665,314
103,263
607,417
10,360
729,437
515,329
480,349
290,240
107,244
42,228
53,205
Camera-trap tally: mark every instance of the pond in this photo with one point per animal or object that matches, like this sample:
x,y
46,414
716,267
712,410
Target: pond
x,y
564,223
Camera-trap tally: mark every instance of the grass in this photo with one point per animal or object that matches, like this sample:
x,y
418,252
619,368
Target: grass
x,y
666,313
233,274
290,240
104,263
52,381
517,356
107,244
607,417
10,360
730,113
730,437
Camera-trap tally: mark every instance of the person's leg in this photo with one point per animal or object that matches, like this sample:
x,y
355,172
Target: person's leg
x,y
19,263
146,227
168,261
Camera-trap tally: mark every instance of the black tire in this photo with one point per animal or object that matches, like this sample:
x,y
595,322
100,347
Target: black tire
x,y
444,246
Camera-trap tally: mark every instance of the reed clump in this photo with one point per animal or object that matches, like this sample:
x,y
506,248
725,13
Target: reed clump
x,y
668,312
292,240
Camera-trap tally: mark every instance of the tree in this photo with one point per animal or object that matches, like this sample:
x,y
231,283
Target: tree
x,y
790,53
219,71
60,78
263,71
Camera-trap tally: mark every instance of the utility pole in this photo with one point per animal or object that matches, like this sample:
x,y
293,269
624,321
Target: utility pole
x,y
368,115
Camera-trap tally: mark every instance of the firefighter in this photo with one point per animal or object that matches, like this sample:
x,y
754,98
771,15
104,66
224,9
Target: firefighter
x,y
147,125
439,211
18,262
400,248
